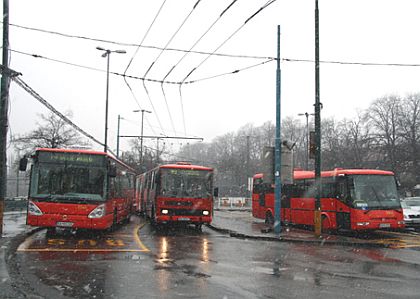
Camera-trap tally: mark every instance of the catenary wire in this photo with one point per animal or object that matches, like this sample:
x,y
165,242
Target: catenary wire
x,y
160,54
38,97
136,45
131,60
188,52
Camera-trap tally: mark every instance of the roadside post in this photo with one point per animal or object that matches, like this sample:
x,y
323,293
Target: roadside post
x,y
277,152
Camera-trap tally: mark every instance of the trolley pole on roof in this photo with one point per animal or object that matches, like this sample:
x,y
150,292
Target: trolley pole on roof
x,y
277,151
317,215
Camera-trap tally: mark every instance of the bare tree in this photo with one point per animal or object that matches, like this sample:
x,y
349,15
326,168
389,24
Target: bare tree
x,y
51,132
383,115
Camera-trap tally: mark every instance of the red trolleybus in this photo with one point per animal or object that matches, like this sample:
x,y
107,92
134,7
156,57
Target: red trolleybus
x,y
178,192
351,199
78,189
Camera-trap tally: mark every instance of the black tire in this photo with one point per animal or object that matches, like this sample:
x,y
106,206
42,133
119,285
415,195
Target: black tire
x,y
328,230
269,219
152,216
114,222
50,232
198,227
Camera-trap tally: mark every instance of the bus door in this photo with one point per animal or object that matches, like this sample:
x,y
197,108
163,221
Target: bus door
x,y
343,201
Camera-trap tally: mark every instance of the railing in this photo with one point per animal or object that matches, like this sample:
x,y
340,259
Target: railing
x,y
15,204
234,203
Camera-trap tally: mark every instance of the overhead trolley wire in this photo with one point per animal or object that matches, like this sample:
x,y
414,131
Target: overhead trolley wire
x,y
38,97
160,54
137,45
131,60
188,52
226,40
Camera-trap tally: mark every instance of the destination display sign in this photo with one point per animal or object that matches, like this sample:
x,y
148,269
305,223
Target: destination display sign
x,y
72,158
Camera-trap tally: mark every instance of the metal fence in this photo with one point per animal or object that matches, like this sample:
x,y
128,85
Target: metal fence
x,y
15,203
236,203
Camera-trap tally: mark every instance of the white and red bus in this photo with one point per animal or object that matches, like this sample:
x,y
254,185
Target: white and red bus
x,y
78,189
179,192
351,199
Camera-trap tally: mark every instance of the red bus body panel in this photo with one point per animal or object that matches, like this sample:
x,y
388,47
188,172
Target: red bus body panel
x,y
182,210
301,210
77,213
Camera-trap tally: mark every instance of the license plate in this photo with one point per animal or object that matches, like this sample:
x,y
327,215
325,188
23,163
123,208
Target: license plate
x,y
184,219
65,224
384,225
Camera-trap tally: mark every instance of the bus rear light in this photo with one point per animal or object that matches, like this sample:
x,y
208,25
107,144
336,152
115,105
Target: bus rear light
x,y
206,213
98,212
362,223
165,211
33,209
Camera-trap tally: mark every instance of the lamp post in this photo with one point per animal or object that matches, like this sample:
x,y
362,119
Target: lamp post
x,y
306,114
106,54
141,134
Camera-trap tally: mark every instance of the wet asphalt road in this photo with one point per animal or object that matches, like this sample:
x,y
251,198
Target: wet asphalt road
x,y
137,261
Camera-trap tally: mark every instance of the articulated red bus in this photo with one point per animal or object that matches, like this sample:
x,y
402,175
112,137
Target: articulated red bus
x,y
178,192
351,199
78,189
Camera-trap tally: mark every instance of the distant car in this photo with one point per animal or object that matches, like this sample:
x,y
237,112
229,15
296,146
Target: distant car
x,y
411,210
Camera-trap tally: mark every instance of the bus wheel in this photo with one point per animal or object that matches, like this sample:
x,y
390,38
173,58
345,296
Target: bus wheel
x,y
114,221
269,219
152,216
50,231
325,225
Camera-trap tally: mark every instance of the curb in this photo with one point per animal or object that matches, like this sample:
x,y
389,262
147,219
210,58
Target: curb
x,y
321,241
17,282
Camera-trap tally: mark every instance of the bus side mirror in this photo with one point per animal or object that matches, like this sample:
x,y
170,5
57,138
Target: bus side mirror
x,y
112,171
216,192
23,163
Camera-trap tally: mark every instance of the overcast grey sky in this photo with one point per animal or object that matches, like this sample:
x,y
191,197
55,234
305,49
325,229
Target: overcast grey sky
x,y
371,31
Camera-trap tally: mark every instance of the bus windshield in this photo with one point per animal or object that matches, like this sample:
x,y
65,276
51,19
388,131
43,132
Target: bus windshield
x,y
67,182
374,192
185,183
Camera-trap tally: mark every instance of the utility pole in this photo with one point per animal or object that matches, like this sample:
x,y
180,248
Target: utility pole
x,y
4,99
277,151
317,215
141,134
106,55
118,137
306,114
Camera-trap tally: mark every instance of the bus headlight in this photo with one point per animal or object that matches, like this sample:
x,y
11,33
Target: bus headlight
x,y
206,213
98,212
33,209
362,223
165,211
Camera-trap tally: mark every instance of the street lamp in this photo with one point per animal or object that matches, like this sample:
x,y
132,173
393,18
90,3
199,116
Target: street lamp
x,y
106,54
307,136
141,135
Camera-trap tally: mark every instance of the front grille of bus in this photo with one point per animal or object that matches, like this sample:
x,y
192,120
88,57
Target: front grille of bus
x,y
178,203
184,212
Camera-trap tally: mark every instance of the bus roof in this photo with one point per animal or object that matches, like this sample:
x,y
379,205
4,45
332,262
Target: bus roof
x,y
305,174
83,151
71,150
185,166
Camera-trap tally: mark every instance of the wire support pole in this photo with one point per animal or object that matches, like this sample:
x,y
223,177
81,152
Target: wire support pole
x,y
277,152
317,215
106,102
4,99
